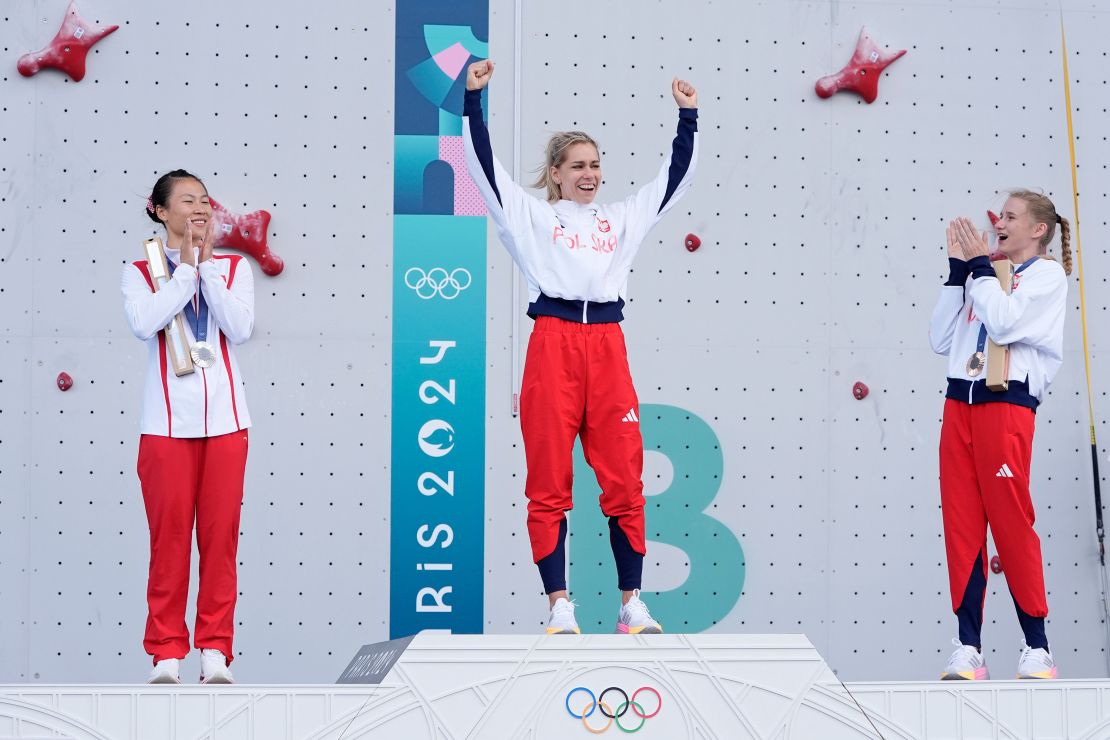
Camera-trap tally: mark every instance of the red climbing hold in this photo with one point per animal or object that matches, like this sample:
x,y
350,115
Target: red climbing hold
x,y
68,49
65,382
861,75
996,565
860,391
996,255
247,233
692,242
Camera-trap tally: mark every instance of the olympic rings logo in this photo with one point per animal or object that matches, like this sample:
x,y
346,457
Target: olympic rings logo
x,y
598,703
437,281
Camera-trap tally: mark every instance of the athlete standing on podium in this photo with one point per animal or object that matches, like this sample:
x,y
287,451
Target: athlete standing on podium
x,y
986,438
193,448
576,256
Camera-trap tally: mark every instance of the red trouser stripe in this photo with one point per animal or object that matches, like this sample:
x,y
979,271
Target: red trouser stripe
x,y
230,378
144,268
185,481
985,451
577,384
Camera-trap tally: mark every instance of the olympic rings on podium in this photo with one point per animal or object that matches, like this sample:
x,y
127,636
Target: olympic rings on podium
x,y
598,703
593,702
437,281
658,701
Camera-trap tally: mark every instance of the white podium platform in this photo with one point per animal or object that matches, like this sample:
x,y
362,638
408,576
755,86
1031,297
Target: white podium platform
x,y
510,687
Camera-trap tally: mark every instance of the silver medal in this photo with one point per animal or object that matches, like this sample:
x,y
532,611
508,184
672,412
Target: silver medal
x,y
203,354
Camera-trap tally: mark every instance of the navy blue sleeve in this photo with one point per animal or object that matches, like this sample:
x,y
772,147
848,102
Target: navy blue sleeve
x,y
682,151
479,134
980,267
957,272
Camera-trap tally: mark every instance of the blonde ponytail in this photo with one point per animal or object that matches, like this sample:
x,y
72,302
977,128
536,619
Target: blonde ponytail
x,y
1065,245
1042,211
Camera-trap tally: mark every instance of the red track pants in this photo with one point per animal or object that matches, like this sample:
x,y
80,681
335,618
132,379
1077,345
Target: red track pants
x,y
985,450
187,480
577,383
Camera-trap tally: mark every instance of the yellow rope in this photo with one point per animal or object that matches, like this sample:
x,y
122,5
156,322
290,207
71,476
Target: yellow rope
x,y
1075,229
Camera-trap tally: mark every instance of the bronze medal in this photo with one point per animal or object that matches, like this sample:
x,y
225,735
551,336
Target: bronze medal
x,y
975,364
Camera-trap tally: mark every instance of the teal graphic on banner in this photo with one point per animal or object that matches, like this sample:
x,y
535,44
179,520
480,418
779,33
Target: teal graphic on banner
x,y
439,305
676,517
437,498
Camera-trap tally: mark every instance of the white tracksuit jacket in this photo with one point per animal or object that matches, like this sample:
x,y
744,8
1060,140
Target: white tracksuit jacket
x,y
1030,320
209,402
575,258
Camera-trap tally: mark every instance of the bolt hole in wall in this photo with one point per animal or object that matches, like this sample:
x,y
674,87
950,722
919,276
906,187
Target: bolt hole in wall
x,y
819,252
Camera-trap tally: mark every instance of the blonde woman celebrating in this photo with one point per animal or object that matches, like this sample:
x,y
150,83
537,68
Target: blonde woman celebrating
x,y
576,255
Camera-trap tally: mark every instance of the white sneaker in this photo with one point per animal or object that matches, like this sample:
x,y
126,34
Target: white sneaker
x,y
166,671
213,667
562,619
1035,663
634,618
966,664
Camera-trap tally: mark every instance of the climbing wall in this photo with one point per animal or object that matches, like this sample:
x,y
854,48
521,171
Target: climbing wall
x,y
822,231
778,502
274,110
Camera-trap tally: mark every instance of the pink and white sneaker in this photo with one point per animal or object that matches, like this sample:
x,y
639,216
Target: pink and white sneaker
x,y
635,619
1036,663
966,664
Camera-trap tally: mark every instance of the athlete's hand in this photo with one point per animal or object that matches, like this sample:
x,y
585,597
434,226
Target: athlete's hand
x,y
684,93
478,74
954,249
205,242
188,257
972,243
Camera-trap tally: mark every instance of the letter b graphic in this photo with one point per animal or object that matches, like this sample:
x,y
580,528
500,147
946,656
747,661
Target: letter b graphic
x,y
681,516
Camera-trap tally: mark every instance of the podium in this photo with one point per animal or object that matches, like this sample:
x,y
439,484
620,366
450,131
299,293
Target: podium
x,y
686,686
523,687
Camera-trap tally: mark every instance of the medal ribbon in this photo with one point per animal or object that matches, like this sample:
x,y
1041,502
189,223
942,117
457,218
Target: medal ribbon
x,y
982,343
198,317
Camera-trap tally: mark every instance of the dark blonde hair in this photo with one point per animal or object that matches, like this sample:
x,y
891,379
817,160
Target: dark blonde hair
x,y
1042,211
557,147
